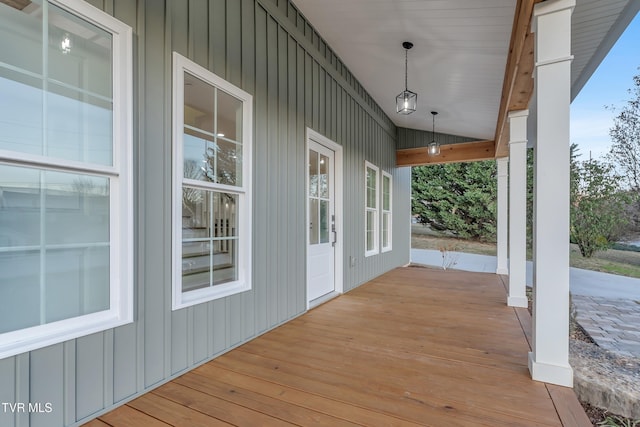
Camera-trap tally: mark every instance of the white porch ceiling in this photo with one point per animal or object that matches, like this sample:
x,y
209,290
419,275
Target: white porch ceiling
x,y
460,51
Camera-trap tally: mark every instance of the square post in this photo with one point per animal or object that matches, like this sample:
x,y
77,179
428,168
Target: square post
x,y
518,208
503,215
549,360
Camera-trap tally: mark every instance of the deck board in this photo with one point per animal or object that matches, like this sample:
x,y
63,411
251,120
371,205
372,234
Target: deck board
x,y
412,347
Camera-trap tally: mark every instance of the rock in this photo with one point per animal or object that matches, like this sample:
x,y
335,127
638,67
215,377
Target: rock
x,y
605,379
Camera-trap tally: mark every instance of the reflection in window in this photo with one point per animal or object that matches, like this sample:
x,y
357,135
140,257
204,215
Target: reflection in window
x,y
371,209
386,211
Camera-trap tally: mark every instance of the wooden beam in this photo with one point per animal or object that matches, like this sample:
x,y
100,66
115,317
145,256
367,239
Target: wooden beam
x,y
517,88
450,153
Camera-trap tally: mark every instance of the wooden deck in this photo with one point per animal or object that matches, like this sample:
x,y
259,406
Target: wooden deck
x,y
413,347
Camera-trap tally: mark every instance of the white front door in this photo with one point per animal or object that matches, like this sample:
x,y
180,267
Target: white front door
x,y
321,221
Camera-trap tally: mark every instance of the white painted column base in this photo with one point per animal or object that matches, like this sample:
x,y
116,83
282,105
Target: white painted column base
x,y
517,302
555,374
503,270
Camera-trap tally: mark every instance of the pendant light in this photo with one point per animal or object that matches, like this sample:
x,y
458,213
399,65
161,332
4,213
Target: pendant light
x,y
433,147
407,101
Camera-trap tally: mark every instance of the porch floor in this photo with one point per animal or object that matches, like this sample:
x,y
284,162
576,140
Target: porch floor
x,y
415,346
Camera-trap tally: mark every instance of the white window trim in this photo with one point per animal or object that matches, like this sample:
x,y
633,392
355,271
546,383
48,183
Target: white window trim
x,y
376,210
120,202
185,299
387,212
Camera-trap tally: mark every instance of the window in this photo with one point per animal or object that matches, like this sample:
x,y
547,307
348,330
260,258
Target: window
x,y
371,209
386,211
211,199
65,173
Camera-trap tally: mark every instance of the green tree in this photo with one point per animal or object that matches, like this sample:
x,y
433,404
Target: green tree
x,y
625,136
457,197
598,205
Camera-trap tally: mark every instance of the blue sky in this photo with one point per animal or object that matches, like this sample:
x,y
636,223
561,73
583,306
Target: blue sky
x,y
590,120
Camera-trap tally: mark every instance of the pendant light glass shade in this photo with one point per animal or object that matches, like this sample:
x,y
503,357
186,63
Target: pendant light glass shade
x,y
434,147
406,101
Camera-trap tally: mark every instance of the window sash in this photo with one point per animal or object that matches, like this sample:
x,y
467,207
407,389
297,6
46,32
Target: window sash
x,y
119,175
241,242
372,225
386,208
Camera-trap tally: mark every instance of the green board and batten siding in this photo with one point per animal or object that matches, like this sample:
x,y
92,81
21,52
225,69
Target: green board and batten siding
x,y
268,49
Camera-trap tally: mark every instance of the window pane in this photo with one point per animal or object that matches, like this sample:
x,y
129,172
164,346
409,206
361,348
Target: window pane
x,y
73,88
371,223
313,173
372,178
324,177
314,228
79,126
21,35
199,104
229,117
20,112
386,193
209,233
324,221
79,53
225,262
54,245
385,229
229,163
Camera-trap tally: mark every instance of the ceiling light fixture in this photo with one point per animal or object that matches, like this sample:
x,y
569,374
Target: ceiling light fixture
x,y
407,101
433,147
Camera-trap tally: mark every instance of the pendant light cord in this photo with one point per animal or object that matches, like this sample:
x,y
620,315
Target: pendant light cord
x,y
406,85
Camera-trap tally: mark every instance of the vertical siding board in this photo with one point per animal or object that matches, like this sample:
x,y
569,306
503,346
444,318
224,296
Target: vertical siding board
x,y
200,344
22,386
7,388
219,327
89,375
154,149
179,340
271,177
108,371
260,243
308,90
47,385
234,320
124,362
294,234
69,382
198,30
283,168
234,42
301,225
217,36
180,21
248,84
322,100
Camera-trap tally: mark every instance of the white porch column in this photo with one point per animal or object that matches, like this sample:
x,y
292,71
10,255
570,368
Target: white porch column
x,y
518,208
549,360
503,219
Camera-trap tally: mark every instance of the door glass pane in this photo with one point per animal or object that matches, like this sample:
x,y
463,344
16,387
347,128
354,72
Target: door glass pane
x,y
324,221
229,117
313,173
314,229
324,177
